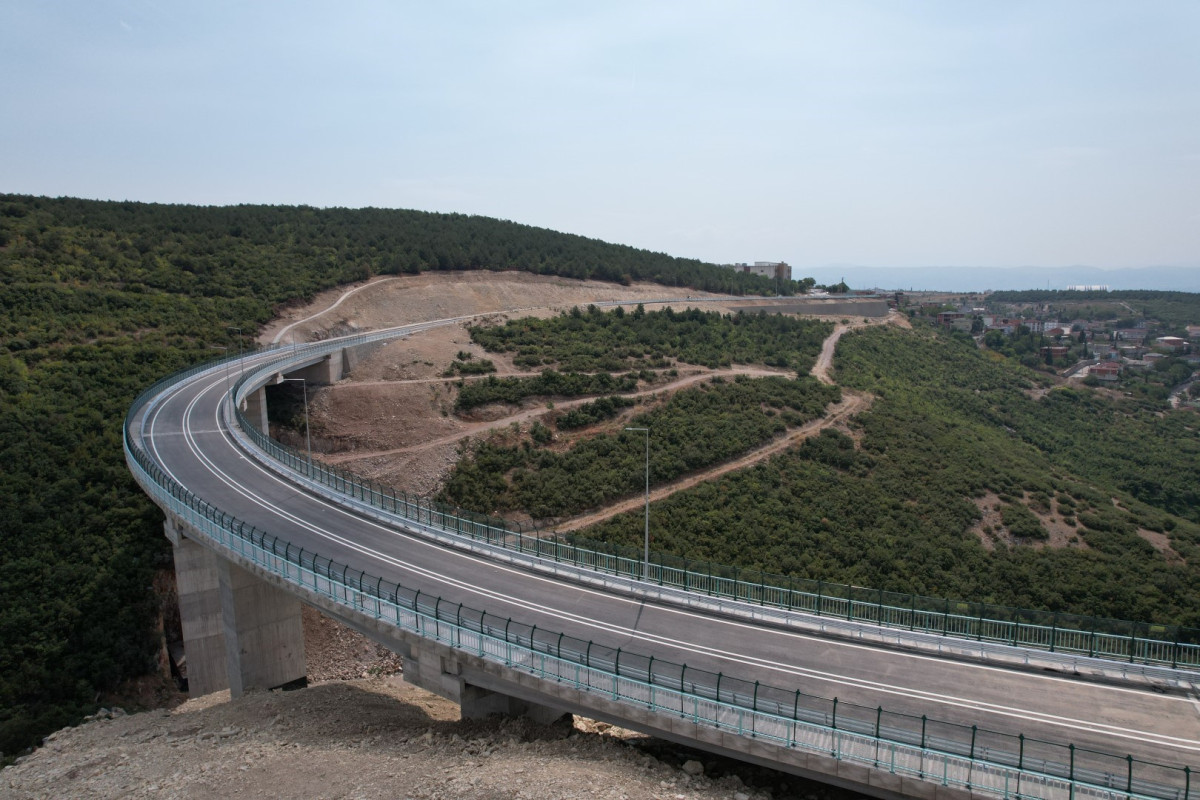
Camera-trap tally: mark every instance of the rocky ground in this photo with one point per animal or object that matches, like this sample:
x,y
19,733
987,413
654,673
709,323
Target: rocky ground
x,y
359,731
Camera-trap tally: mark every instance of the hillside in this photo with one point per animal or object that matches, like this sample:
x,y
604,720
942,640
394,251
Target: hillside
x,y
100,299
970,478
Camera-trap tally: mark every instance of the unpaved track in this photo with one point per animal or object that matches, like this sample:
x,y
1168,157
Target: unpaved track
x,y
824,364
476,428
473,294
851,404
341,299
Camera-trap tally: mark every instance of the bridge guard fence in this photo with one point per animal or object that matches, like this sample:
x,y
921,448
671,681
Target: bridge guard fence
x,y
925,748
1095,637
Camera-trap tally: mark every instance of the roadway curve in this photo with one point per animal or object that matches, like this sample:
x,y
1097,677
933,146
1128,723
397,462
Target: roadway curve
x,y
184,432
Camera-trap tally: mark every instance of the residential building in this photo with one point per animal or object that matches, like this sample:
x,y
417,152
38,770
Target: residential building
x,y
1171,344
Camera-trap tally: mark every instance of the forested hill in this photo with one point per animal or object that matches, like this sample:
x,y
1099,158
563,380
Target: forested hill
x,y
276,253
100,299
1174,309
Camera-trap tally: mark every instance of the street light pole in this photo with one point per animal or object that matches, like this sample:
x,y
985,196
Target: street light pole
x,y
229,328
646,559
307,434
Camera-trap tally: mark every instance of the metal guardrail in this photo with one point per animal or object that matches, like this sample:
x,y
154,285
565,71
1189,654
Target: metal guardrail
x,y
950,754
1090,637
458,532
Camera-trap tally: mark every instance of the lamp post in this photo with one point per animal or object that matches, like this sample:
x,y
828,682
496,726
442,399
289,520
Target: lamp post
x,y
229,328
307,436
226,349
646,561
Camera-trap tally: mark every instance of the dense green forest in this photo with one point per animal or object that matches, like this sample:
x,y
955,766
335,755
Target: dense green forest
x,y
952,425
100,299
592,340
591,344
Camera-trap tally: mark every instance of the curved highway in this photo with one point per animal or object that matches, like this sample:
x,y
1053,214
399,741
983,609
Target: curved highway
x,y
184,431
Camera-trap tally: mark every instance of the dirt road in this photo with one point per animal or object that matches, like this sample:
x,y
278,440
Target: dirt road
x,y
470,429
852,403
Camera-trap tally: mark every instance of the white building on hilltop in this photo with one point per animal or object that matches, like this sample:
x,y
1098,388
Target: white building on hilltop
x,y
768,269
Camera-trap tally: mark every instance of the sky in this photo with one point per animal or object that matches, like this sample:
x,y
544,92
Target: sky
x,y
892,134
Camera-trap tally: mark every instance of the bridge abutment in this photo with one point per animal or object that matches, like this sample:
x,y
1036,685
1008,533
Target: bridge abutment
x,y
329,369
239,632
431,670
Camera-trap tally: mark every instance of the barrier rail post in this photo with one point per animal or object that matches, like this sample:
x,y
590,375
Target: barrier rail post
x,y
1071,749
878,714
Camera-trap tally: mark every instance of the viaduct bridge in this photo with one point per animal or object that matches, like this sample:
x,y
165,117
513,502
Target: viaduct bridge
x,y
889,701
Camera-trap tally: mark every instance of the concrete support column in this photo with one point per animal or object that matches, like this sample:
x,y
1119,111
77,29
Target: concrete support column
x,y
337,366
198,587
264,633
255,409
239,632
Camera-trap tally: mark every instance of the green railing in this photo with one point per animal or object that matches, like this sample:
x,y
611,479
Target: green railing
x,y
1095,637
929,749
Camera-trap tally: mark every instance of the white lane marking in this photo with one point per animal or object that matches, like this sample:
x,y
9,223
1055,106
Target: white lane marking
x,y
948,700
474,558
554,613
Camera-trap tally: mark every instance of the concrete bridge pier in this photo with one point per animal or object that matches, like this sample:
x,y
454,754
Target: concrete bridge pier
x,y
255,408
239,632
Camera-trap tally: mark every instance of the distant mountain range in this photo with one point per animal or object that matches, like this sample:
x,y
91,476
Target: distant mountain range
x,y
978,279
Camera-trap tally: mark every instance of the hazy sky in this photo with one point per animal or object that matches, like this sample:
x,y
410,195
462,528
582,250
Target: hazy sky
x,y
881,133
